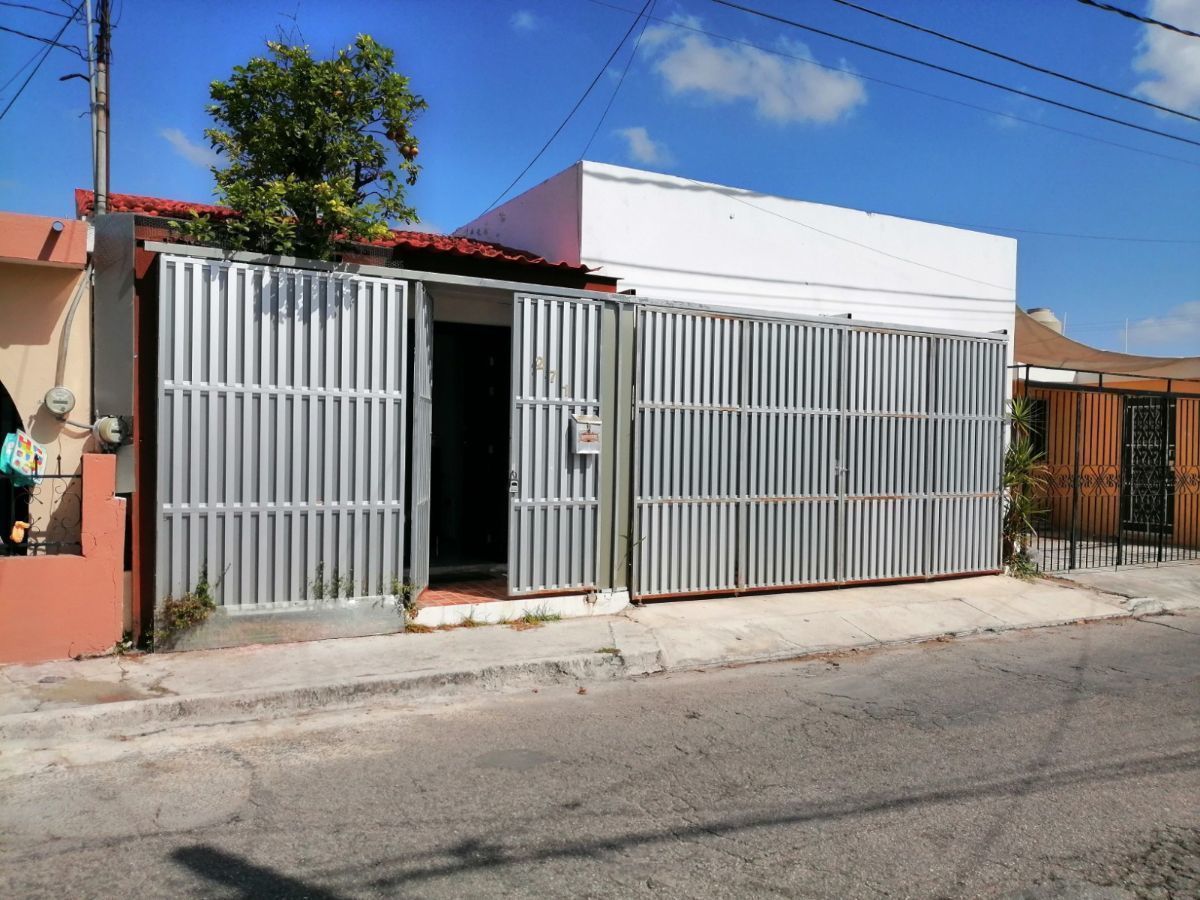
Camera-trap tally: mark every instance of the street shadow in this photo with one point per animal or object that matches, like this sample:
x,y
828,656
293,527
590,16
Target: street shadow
x,y
251,881
474,854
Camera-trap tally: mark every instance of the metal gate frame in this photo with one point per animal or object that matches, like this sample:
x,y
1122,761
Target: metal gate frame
x,y
936,512
281,432
1085,521
422,439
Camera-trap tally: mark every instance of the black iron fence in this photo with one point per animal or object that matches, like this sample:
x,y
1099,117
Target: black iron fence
x,y
1122,476
41,519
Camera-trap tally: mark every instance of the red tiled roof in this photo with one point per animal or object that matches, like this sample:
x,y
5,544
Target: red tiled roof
x,y
412,240
85,202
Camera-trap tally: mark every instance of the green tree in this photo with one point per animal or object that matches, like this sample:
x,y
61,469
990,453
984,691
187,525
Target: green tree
x,y
307,145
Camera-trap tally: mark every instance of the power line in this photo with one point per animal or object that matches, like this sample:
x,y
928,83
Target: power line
x,y
621,80
33,8
1129,14
949,71
15,75
868,247
1067,234
53,42
1012,59
838,237
574,109
45,53
903,87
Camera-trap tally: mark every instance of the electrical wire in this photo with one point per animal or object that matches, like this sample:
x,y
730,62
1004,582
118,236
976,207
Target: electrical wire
x,y
1067,234
1120,323
620,81
574,109
1012,59
949,71
33,8
15,75
45,53
903,87
838,237
53,42
1146,20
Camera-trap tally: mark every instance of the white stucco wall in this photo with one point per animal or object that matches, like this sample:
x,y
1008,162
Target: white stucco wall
x,y
672,238
544,219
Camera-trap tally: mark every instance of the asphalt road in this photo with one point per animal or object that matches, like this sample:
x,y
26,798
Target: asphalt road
x,y
1057,763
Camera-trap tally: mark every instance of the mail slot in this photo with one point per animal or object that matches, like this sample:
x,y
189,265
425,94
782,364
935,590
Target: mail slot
x,y
585,434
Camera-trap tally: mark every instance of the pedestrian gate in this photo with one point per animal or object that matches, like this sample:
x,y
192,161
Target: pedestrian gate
x,y
554,492
776,452
281,433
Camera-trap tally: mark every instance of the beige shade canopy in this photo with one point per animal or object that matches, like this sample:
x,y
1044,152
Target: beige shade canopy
x,y
1037,345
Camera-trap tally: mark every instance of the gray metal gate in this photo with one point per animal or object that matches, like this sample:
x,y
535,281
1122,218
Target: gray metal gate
x,y
774,452
554,514
422,438
281,433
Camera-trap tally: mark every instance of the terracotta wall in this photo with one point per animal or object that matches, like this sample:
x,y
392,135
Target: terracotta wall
x,y
34,300
54,607
1101,425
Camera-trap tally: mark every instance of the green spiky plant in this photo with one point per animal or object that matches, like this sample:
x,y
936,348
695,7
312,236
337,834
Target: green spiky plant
x,y
1025,482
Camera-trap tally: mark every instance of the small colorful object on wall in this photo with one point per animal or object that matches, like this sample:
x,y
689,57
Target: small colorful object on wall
x,y
22,459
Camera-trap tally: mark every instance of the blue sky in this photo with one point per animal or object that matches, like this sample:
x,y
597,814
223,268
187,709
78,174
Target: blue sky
x,y
500,76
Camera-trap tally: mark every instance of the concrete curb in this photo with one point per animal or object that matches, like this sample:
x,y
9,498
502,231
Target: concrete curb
x,y
638,653
809,652
143,716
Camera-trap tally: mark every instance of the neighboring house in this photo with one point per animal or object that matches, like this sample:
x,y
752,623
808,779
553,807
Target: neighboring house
x,y
1121,436
61,582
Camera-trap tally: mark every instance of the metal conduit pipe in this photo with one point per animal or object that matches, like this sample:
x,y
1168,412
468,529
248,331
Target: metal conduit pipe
x,y
65,339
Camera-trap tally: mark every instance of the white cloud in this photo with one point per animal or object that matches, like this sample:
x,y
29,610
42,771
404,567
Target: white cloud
x,y
656,35
1171,61
781,89
524,20
643,148
1177,331
196,154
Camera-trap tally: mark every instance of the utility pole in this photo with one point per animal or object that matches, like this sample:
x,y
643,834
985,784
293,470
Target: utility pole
x,y
100,86
91,61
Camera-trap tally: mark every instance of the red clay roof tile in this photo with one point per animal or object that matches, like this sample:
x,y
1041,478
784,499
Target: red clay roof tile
x,y
412,240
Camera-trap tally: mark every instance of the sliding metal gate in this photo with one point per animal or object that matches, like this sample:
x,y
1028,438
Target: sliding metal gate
x,y
281,433
1122,483
773,453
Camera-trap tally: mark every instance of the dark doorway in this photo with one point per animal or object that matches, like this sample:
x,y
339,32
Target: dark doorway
x,y
471,415
1148,457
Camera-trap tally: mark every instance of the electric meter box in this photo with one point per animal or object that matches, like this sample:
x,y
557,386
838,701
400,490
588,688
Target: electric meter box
x,y
585,434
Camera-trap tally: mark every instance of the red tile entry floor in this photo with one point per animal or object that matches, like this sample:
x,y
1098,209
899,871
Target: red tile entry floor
x,y
477,591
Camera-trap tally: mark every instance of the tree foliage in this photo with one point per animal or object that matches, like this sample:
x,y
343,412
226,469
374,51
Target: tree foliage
x,y
307,144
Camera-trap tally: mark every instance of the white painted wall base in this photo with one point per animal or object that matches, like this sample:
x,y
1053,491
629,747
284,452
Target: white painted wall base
x,y
604,603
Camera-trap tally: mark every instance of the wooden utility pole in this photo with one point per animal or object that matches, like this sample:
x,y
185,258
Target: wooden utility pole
x,y
100,82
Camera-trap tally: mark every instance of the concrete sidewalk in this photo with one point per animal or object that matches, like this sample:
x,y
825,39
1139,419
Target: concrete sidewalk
x,y
135,694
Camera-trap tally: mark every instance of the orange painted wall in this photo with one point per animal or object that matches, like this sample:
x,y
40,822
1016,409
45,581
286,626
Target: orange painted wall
x,y
33,239
55,607
1101,423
